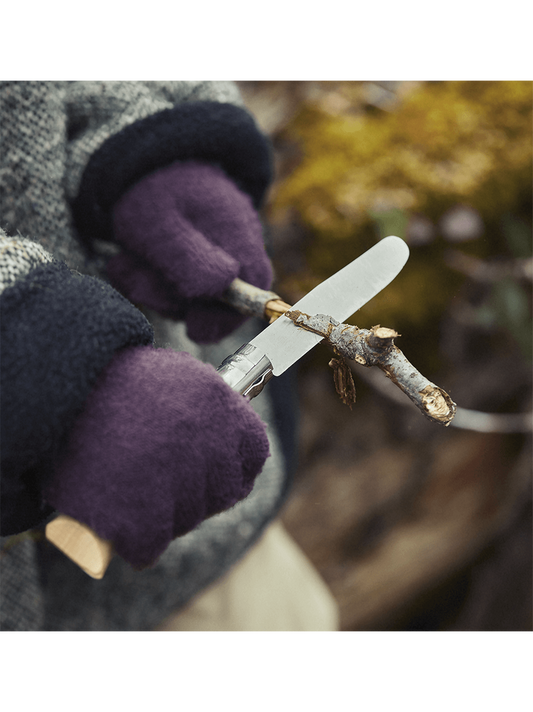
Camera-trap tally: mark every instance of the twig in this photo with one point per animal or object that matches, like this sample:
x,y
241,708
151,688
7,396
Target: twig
x,y
493,422
490,271
464,419
375,347
253,301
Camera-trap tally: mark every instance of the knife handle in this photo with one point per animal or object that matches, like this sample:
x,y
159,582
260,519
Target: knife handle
x,y
247,370
81,544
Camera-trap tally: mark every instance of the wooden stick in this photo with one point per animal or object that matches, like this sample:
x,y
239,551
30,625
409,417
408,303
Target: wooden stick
x,y
81,544
375,347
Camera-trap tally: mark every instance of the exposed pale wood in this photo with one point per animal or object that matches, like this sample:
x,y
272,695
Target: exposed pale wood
x,y
81,544
275,308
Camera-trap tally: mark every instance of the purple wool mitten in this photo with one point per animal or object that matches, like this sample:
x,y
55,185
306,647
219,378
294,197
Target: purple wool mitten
x,y
187,231
162,444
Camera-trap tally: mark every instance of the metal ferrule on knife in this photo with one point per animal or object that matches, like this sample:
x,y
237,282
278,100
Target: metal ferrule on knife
x,y
246,371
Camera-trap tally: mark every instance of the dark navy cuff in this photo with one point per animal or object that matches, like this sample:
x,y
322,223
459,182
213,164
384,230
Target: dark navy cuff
x,y
59,330
212,132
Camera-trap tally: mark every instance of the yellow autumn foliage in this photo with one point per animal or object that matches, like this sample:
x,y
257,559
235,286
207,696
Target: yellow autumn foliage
x,y
447,143
444,144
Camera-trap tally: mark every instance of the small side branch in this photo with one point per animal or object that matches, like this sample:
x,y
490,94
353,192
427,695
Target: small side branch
x,y
375,347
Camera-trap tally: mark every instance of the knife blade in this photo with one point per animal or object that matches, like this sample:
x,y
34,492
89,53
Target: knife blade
x,y
282,344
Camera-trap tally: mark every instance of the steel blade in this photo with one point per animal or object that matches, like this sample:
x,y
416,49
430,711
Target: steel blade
x,y
339,296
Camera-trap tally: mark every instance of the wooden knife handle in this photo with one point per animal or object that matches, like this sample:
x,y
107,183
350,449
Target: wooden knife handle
x,y
81,544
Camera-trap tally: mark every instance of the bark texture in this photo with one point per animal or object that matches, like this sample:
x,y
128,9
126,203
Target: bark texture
x,y
375,347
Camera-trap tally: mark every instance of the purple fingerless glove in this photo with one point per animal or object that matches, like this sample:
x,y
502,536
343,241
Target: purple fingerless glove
x,y
187,231
162,444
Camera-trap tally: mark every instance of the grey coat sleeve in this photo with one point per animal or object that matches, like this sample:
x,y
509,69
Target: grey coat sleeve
x,y
98,110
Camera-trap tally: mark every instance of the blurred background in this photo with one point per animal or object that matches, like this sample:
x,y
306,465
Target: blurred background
x,y
414,526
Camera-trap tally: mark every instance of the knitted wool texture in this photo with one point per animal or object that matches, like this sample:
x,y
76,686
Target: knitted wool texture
x,y
62,329
162,444
188,232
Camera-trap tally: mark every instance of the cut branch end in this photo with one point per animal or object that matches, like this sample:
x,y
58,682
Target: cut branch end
x,y
375,347
438,404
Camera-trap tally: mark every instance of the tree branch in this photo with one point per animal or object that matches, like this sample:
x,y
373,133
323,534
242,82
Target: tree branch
x,y
375,347
252,301
490,271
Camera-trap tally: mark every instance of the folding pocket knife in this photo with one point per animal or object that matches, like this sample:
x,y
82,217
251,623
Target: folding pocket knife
x,y
282,344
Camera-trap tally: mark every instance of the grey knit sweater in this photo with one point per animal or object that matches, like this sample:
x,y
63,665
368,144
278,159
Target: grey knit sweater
x,y
50,133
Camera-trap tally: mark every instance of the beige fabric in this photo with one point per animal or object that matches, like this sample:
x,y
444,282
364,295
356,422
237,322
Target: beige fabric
x,y
274,588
